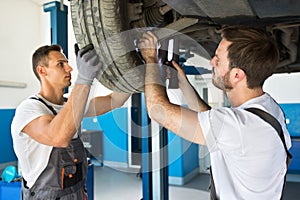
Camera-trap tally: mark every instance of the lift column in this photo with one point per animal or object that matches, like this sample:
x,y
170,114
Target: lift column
x,y
59,24
155,162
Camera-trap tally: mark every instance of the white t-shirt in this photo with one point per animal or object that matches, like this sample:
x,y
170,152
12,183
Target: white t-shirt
x,y
247,155
33,156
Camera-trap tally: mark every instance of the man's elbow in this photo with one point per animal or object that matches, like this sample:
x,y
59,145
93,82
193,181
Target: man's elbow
x,y
117,105
60,142
63,145
156,111
118,101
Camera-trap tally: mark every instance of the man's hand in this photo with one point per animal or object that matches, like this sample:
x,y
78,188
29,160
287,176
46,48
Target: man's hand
x,y
148,47
182,79
88,64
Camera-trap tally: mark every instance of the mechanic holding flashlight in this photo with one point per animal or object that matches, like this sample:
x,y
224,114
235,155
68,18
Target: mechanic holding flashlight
x,y
46,127
248,158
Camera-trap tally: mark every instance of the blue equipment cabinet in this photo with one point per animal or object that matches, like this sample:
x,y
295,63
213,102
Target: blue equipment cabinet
x,y
10,191
292,113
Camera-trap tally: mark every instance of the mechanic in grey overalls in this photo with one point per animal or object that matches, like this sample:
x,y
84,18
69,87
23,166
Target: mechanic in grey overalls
x,y
65,174
46,128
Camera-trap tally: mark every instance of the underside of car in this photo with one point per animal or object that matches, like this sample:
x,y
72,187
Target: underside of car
x,y
113,26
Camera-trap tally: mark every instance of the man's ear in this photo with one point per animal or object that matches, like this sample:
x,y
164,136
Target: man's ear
x,y
41,70
239,73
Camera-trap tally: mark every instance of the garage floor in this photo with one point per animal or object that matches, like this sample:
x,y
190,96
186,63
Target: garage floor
x,y
114,184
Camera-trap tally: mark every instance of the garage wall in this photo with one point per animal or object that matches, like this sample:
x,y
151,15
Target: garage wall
x,y
24,26
22,30
6,141
284,87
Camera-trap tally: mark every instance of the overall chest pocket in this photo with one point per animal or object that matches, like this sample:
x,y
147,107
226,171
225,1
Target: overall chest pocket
x,y
72,165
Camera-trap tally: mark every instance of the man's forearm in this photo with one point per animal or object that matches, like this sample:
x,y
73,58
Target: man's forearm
x,y
194,101
65,124
155,92
175,118
103,104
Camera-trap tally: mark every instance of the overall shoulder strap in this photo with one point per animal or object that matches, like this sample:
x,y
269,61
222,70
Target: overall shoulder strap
x,y
212,187
274,123
48,106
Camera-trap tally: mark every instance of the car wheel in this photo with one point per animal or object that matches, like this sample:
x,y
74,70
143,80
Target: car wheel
x,y
99,22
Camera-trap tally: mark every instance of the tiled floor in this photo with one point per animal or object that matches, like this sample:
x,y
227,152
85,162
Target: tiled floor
x,y
113,184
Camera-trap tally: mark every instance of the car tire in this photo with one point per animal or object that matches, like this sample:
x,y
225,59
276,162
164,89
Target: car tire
x,y
100,22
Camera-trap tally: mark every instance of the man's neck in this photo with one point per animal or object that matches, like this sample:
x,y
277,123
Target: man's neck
x,y
53,96
238,97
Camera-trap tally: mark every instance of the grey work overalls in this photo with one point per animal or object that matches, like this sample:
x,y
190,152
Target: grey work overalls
x,y
65,175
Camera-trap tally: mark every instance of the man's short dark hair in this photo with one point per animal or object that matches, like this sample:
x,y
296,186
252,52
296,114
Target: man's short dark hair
x,y
254,51
40,56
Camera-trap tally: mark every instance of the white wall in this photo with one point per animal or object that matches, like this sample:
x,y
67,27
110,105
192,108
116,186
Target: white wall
x,y
24,27
284,87
22,30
